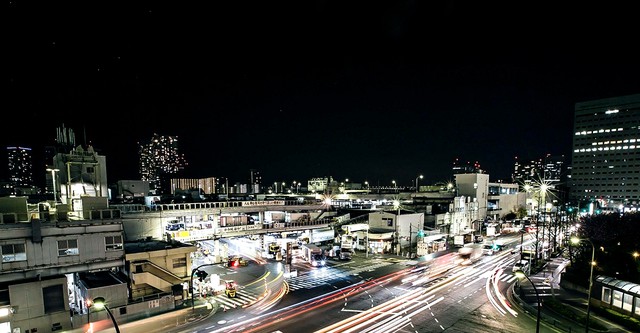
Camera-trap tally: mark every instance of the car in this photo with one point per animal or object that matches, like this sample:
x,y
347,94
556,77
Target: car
x,y
487,249
522,265
235,261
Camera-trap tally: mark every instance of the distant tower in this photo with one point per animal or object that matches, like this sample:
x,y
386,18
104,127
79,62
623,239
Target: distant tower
x,y
159,161
255,181
529,173
459,168
20,168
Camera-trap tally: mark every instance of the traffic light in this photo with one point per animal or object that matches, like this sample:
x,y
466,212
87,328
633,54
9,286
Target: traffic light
x,y
421,233
201,275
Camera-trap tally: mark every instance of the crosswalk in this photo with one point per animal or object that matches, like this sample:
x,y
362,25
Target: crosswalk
x,y
324,275
243,298
507,278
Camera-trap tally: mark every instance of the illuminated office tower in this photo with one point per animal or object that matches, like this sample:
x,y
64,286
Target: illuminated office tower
x,y
606,153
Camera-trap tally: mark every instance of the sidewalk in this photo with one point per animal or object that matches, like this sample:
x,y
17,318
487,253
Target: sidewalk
x,y
547,282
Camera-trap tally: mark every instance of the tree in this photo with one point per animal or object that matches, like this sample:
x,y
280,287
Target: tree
x,y
614,237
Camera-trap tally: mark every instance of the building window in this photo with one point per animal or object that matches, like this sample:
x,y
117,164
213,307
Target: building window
x,y
627,302
606,295
113,243
53,297
617,299
68,247
389,222
179,262
13,252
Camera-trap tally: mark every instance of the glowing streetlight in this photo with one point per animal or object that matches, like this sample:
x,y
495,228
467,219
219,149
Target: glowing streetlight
x,y
394,184
419,177
53,180
99,303
576,240
520,274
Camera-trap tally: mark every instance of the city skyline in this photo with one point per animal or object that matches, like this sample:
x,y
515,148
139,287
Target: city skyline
x,y
374,94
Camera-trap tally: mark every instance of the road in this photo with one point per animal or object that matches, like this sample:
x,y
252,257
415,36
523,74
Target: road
x,y
375,294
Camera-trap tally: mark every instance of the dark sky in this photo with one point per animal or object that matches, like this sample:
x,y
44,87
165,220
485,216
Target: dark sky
x,y
361,90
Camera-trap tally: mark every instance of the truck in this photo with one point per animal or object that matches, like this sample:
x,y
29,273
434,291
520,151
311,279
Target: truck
x,y
346,247
322,235
469,254
462,239
313,255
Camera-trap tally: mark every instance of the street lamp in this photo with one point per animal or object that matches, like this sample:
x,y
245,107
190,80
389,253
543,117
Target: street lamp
x,y
394,184
520,274
576,240
366,183
99,303
419,177
53,181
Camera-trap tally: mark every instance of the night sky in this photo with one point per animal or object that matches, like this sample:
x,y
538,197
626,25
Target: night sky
x,y
375,91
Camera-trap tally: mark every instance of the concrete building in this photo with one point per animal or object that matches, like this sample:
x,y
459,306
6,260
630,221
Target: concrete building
x,y
40,259
504,199
606,153
54,263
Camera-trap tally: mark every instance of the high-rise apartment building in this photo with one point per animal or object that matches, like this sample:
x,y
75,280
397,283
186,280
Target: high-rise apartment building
x,y
159,161
20,163
606,152
255,181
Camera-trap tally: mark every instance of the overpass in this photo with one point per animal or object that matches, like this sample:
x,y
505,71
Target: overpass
x,y
214,220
